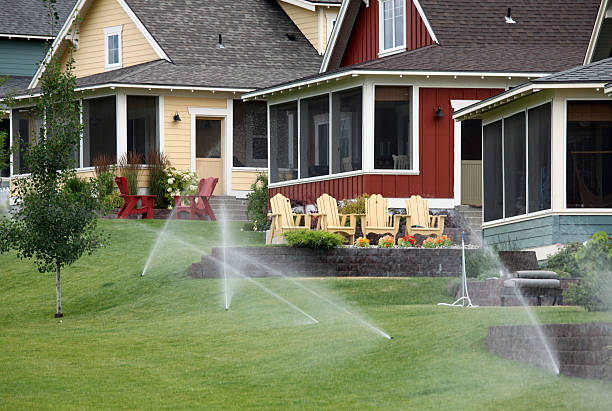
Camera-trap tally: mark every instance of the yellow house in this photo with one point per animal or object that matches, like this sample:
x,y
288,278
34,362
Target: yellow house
x,y
168,76
316,19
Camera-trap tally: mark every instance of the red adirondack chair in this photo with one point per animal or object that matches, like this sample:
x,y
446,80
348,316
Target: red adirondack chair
x,y
131,201
198,204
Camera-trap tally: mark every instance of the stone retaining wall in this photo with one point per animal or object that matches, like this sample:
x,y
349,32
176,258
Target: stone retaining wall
x,y
490,293
583,350
340,262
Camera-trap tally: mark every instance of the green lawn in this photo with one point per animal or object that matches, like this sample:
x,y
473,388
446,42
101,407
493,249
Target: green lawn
x,y
165,341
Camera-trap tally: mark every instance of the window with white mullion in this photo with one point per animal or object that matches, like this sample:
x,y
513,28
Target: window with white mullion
x,y
393,22
112,47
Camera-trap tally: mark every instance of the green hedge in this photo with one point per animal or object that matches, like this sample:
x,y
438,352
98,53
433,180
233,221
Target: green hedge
x,y
313,239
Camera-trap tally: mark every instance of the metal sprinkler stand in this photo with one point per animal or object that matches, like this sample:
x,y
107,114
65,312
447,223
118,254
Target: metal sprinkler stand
x,y
464,300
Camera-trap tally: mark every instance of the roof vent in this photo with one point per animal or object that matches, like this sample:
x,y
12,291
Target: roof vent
x,y
220,43
291,37
509,18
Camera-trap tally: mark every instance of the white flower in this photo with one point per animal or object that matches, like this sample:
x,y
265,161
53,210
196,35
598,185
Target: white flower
x,y
169,207
177,193
169,189
171,180
192,187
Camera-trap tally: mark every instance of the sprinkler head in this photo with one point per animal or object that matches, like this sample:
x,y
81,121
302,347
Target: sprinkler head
x,y
226,308
390,337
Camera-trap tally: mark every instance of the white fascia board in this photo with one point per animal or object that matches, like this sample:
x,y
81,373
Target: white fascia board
x,y
25,36
58,40
354,73
158,50
148,87
417,4
300,3
331,44
519,91
68,24
596,29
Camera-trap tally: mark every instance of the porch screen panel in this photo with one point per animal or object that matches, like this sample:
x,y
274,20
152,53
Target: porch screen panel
x,y
346,130
515,195
100,130
539,133
314,136
392,142
250,134
492,171
142,128
589,154
26,129
4,130
283,142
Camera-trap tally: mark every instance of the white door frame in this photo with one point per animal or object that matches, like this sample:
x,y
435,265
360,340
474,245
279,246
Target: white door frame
x,y
227,136
458,105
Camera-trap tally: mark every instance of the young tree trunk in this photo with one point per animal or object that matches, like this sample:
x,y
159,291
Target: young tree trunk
x,y
58,292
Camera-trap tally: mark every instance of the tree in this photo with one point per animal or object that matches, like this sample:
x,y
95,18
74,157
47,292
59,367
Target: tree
x,y
52,223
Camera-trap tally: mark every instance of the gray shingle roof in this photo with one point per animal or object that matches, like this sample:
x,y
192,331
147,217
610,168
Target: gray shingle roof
x,y
29,17
258,51
14,84
600,71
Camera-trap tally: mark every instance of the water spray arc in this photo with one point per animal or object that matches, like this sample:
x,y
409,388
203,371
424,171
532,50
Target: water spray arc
x,y
157,243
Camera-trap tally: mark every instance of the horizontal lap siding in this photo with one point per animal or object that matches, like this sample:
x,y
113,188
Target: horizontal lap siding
x,y
177,134
363,44
306,20
20,57
307,193
242,180
89,58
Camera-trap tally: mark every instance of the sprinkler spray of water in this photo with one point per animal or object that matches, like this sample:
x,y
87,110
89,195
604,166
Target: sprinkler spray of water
x,y
464,300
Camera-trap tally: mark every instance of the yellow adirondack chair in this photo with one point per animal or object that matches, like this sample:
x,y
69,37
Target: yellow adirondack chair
x,y
333,222
283,219
418,210
378,220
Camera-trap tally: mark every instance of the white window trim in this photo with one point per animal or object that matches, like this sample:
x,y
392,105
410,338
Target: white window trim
x,y
381,32
458,105
108,32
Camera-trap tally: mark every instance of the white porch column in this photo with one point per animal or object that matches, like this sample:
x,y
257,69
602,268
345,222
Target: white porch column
x,y
367,132
11,141
557,147
121,117
228,151
161,124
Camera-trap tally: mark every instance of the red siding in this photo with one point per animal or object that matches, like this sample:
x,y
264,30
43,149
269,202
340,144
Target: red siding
x,y
436,157
363,42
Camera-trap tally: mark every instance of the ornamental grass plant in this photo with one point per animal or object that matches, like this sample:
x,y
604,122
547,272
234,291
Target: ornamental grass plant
x,y
130,167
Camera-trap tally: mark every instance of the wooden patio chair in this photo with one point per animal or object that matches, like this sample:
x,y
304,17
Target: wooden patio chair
x,y
130,202
377,218
421,221
401,162
333,222
283,218
198,204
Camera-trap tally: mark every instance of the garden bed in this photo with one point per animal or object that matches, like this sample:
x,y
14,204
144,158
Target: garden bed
x,y
340,262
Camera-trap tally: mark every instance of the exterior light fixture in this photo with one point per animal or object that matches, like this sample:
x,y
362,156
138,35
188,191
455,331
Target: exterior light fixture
x,y
439,112
176,117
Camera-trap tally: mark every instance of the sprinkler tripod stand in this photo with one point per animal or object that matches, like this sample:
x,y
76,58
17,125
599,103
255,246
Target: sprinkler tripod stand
x,y
464,300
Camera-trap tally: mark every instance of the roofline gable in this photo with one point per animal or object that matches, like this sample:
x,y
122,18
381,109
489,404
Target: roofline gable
x,y
596,30
331,44
309,5
71,19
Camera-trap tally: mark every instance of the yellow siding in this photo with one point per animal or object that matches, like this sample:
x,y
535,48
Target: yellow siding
x,y
89,59
307,21
242,180
177,134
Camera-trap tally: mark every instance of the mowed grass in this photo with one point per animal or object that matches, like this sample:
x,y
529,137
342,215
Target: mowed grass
x,y
165,341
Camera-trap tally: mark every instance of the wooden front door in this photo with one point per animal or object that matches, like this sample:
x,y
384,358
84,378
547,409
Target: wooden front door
x,y
209,150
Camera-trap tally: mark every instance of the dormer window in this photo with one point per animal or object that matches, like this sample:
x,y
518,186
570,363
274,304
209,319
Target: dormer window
x,y
112,47
392,26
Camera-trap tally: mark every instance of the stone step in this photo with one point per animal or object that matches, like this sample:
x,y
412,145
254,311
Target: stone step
x,y
471,213
237,207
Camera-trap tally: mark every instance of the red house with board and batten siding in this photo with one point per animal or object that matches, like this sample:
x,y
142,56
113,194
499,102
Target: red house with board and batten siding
x,y
378,116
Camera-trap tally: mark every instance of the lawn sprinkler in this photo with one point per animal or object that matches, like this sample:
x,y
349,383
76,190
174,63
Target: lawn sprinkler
x,y
464,300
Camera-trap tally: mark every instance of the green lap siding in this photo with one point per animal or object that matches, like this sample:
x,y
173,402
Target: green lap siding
x,y
546,230
20,57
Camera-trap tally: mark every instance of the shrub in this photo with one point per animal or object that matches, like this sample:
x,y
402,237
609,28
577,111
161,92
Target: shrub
x,y
564,260
387,241
482,263
179,183
157,177
594,291
130,167
362,242
354,206
407,241
76,185
313,239
257,203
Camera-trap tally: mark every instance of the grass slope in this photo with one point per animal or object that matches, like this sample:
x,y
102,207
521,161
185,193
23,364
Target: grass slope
x,y
164,340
